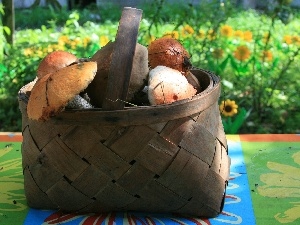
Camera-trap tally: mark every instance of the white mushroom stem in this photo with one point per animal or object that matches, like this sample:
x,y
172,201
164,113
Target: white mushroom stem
x,y
167,85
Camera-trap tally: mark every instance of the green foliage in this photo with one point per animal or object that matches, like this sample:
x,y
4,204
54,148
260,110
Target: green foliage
x,y
4,46
255,54
232,125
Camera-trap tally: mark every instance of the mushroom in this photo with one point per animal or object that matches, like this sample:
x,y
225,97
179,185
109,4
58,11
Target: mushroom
x,y
55,61
97,89
167,85
168,52
52,92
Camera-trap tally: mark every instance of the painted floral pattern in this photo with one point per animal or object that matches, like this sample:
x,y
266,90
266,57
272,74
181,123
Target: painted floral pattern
x,y
284,182
122,218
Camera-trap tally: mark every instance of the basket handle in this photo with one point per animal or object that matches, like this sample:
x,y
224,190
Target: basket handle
x,y
122,59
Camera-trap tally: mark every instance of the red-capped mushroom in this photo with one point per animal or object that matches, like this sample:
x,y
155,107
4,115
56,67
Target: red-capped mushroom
x,y
168,52
54,61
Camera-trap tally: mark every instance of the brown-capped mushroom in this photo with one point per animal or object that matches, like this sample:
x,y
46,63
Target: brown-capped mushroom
x,y
52,92
97,89
168,52
167,85
55,61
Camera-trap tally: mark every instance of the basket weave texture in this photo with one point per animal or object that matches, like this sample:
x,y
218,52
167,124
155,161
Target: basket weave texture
x,y
177,165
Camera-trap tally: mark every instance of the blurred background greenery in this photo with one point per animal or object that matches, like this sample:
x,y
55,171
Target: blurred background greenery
x,y
254,51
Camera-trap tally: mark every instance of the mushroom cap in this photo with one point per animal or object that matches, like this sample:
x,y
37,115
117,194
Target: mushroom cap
x,y
167,85
55,61
53,91
168,52
97,89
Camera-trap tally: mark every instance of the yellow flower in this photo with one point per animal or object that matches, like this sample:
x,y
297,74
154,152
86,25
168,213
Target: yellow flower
x,y
103,40
59,47
86,41
267,37
50,48
172,34
211,34
267,55
218,53
239,33
296,39
248,35
72,44
187,30
288,39
62,40
242,53
228,108
226,31
40,53
28,51
201,33
283,183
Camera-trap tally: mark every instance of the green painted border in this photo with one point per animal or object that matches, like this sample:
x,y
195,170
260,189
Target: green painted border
x,y
13,208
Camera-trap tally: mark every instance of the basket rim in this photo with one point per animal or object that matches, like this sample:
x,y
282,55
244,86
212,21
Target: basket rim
x,y
144,115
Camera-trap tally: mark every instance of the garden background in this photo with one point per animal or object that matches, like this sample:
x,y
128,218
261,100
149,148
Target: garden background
x,y
254,51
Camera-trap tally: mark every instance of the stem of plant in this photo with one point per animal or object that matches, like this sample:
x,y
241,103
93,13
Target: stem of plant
x,y
281,75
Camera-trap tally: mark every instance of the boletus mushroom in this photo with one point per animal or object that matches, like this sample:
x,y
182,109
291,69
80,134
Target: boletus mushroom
x,y
52,92
168,52
167,85
138,79
55,61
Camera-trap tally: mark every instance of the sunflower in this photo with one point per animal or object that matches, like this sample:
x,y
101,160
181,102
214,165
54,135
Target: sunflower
x,y
187,30
239,34
242,53
226,31
172,34
267,55
228,107
248,35
288,39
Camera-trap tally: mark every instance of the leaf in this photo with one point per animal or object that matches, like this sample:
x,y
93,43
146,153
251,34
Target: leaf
x,y
223,64
233,63
7,30
227,124
258,65
238,121
276,62
227,84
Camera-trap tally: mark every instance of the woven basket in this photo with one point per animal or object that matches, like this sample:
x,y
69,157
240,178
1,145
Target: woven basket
x,y
168,159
